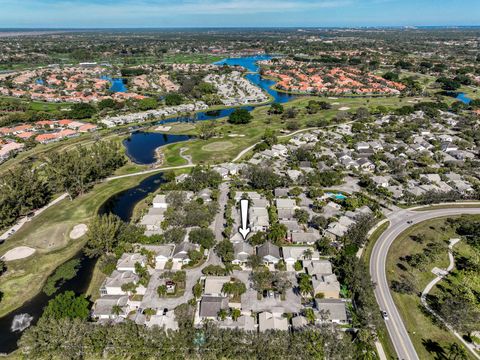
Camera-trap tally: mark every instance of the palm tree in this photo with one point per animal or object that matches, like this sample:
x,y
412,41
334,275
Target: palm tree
x,y
307,254
179,276
305,285
254,261
162,290
235,313
116,310
456,352
130,288
222,314
310,315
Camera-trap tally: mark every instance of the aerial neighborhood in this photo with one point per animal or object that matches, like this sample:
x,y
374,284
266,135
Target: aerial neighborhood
x,y
293,193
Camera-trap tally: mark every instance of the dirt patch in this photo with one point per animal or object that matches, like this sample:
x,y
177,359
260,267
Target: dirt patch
x,y
218,146
17,253
78,231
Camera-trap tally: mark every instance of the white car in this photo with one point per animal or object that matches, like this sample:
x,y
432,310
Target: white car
x,y
384,315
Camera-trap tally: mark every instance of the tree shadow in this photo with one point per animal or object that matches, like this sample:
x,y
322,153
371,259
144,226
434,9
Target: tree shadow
x,y
433,347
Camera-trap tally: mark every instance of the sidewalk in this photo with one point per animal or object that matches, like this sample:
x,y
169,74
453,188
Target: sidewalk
x,y
440,274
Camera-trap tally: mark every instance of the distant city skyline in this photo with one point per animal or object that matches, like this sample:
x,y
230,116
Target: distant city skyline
x,y
236,13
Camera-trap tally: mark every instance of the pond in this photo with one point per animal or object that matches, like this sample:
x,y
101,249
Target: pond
x,y
121,204
463,98
141,146
118,84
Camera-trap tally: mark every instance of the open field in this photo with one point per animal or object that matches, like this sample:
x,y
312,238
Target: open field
x,y
49,235
420,326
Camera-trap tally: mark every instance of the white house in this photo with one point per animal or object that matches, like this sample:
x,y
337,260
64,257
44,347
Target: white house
x,y
292,254
103,309
127,261
180,254
331,310
269,253
271,321
113,283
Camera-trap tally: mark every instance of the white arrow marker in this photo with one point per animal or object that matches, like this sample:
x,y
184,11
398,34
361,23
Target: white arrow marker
x,y
244,230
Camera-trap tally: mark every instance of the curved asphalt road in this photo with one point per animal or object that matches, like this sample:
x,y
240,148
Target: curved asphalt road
x,y
398,224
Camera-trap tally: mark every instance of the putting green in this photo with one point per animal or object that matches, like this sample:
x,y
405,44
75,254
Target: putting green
x,y
218,146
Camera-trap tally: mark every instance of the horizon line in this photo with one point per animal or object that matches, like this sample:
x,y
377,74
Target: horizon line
x,y
239,27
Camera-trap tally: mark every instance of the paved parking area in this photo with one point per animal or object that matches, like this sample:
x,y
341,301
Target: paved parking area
x,y
292,302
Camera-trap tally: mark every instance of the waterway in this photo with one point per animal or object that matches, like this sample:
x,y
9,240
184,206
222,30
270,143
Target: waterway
x,y
141,146
122,205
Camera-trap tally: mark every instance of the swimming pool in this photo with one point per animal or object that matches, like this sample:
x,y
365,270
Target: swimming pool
x,y
338,196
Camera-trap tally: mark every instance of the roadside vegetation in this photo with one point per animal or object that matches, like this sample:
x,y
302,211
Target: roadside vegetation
x,y
410,260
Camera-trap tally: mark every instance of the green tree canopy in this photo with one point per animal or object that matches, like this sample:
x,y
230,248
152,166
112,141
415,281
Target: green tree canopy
x,y
67,305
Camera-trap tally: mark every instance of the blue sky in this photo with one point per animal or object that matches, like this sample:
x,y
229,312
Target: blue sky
x,y
236,13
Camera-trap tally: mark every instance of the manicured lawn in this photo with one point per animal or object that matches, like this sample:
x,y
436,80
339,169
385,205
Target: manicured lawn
x,y
180,128
420,326
49,235
242,136
218,146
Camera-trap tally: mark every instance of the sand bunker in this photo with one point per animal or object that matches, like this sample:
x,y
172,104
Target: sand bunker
x,y
18,253
344,108
78,231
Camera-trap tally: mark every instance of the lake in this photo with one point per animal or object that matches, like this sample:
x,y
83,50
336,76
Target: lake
x,y
122,205
140,146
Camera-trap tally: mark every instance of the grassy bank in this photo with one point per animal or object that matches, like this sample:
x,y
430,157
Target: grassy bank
x,y
423,332
49,235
